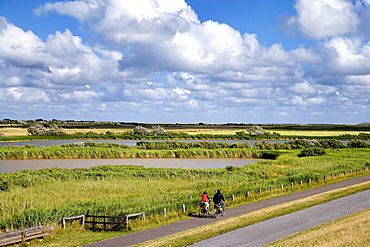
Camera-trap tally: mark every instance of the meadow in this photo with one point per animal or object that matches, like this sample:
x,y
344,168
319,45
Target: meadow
x,y
45,196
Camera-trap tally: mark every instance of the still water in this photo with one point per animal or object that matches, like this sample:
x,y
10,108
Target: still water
x,y
48,143
15,165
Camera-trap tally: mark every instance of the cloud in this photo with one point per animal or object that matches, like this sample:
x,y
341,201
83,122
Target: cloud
x,y
81,10
154,58
321,19
346,56
23,95
303,88
21,49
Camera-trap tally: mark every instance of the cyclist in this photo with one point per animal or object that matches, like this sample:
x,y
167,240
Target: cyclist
x,y
218,198
205,200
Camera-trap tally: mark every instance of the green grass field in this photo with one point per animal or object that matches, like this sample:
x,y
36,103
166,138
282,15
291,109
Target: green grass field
x,y
47,195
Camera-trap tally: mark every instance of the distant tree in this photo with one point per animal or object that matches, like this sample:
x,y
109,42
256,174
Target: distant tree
x,y
158,130
37,130
256,131
55,130
41,130
140,130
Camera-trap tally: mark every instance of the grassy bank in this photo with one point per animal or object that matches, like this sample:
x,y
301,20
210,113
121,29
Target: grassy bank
x,y
349,231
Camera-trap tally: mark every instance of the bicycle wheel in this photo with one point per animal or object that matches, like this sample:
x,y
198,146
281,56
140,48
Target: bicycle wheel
x,y
201,212
217,212
223,212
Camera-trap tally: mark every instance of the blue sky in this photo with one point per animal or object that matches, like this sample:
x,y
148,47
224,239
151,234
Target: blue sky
x,y
167,61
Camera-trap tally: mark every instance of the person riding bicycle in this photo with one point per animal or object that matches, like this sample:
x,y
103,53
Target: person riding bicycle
x,y
218,198
205,200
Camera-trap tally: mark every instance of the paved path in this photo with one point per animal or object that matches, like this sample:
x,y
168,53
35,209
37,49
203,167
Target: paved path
x,y
277,228
150,234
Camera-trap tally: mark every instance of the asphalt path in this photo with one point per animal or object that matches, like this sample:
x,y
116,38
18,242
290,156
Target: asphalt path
x,y
165,230
277,228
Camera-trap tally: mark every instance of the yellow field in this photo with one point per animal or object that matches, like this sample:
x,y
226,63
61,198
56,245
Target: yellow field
x,y
317,132
23,131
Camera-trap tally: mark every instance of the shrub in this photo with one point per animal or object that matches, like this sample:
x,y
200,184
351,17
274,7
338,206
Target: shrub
x,y
271,155
312,152
4,185
229,168
358,144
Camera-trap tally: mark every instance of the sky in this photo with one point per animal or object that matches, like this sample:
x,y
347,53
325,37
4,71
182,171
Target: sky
x,y
186,61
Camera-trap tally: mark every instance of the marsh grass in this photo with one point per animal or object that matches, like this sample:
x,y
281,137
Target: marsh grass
x,y
47,195
101,153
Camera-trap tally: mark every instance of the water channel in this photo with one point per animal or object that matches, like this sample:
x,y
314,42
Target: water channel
x,y
15,165
48,143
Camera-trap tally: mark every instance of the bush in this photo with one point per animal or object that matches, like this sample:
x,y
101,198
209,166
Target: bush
x,y
271,155
312,152
358,144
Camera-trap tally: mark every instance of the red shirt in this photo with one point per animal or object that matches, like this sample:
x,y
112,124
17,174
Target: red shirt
x,y
204,198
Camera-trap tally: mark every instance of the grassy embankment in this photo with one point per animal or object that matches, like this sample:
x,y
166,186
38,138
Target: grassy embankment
x,y
349,231
318,236
48,195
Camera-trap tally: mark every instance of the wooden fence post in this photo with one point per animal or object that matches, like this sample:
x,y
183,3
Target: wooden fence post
x,y
23,237
183,208
105,223
233,198
164,213
247,193
126,222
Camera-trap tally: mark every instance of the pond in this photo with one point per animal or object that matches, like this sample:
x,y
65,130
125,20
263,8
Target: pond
x,y
15,165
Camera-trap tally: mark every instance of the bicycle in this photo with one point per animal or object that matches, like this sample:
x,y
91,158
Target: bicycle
x,y
203,210
218,210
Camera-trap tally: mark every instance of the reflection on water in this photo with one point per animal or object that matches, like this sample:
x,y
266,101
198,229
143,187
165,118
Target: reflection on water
x,y
15,165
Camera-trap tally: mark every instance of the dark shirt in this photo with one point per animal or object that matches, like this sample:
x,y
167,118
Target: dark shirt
x,y
218,197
